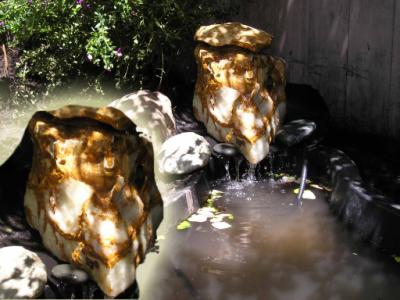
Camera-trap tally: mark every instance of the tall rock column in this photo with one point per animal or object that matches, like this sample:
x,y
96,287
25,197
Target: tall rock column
x,y
240,90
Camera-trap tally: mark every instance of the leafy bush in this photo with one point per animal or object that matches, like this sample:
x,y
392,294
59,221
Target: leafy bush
x,y
127,41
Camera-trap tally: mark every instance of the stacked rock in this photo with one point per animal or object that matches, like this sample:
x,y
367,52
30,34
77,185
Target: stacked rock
x,y
240,90
90,191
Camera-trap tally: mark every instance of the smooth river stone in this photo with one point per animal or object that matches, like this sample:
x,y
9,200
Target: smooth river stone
x,y
233,33
90,191
69,273
295,132
183,154
22,273
239,96
225,149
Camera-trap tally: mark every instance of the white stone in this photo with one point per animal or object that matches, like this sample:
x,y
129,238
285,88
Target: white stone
x,y
152,114
90,192
183,153
22,273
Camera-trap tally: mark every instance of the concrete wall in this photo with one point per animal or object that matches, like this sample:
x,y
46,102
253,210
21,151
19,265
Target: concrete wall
x,y
347,49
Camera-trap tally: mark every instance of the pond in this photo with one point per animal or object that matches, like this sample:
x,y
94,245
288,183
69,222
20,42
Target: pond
x,y
273,250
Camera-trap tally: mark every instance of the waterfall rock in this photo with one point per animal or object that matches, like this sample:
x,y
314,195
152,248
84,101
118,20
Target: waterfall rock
x,y
184,153
90,191
152,114
22,273
240,93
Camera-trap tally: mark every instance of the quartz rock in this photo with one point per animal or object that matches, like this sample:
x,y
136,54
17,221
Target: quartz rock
x,y
22,273
90,191
152,114
239,94
184,153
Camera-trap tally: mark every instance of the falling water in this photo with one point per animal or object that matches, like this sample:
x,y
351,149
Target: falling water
x,y
271,164
251,173
238,162
226,166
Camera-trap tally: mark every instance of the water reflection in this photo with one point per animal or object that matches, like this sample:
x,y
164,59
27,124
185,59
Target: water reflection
x,y
273,250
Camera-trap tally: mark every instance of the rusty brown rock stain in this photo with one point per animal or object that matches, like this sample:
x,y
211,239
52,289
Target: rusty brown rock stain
x,y
99,148
229,58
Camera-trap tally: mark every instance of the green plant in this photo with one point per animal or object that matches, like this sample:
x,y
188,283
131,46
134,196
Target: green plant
x,y
126,41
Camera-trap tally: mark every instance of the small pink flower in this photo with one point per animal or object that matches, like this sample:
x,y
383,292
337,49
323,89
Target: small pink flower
x,y
118,53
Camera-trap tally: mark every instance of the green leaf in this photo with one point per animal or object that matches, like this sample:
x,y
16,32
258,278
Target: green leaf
x,y
183,225
396,258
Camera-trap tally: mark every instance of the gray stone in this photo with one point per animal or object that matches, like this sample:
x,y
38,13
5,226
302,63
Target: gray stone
x,y
70,274
22,273
225,149
295,132
183,154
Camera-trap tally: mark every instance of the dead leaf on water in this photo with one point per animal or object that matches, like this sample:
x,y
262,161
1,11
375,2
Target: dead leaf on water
x,y
307,194
199,218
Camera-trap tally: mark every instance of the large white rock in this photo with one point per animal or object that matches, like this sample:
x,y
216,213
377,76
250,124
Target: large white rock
x,y
239,94
91,190
183,153
22,273
152,114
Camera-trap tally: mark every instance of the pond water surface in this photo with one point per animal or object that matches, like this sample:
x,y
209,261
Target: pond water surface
x,y
274,250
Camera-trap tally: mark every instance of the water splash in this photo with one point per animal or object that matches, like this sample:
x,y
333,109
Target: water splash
x,y
226,166
251,173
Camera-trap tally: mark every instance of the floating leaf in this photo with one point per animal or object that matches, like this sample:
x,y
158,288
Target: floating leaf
x,y
307,194
207,211
396,258
221,225
288,179
316,186
199,218
217,192
184,225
